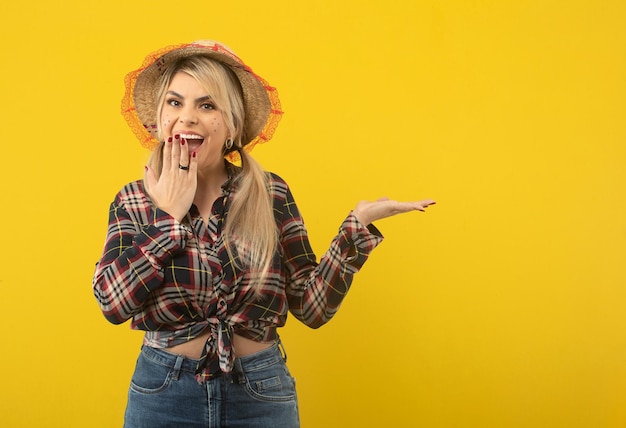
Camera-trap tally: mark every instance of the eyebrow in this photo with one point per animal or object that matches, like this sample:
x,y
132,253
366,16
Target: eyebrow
x,y
198,100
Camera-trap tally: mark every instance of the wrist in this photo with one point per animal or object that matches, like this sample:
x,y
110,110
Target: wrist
x,y
361,218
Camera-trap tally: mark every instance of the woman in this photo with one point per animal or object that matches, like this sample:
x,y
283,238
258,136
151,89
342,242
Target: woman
x,y
208,253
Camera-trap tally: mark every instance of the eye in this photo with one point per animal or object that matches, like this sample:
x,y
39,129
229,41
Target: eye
x,y
172,102
207,106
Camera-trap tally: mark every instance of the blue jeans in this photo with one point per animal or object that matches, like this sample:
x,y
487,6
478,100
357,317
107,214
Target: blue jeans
x,y
259,393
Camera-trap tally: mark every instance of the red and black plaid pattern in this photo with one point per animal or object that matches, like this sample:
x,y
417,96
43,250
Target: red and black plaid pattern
x,y
174,280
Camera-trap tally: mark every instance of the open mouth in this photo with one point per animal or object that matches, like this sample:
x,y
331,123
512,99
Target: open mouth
x,y
194,141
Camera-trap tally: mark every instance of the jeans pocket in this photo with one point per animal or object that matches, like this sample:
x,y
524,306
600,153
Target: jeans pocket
x,y
273,383
150,377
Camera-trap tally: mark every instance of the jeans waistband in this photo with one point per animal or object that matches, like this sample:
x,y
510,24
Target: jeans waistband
x,y
261,360
249,363
167,359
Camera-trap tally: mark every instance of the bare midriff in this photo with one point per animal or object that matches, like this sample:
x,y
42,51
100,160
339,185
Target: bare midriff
x,y
243,346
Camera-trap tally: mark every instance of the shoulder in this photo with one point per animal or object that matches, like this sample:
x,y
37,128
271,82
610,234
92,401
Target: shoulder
x,y
133,196
277,186
275,179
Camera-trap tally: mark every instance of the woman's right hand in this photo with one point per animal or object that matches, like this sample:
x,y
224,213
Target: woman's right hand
x,y
174,190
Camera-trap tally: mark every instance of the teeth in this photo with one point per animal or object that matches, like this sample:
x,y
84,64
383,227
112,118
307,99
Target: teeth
x,y
191,137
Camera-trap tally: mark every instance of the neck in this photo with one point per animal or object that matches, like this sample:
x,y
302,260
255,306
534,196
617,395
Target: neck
x,y
209,186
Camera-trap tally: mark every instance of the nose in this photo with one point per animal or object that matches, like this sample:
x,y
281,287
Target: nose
x,y
188,115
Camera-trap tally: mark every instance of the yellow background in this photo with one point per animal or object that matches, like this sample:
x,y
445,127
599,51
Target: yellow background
x,y
503,306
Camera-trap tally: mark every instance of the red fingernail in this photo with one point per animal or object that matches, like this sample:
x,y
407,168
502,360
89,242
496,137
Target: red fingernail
x,y
193,155
177,136
182,142
169,139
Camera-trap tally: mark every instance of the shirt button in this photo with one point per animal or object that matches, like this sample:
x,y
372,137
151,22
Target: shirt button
x,y
222,303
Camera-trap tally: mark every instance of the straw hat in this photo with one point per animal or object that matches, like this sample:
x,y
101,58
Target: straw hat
x,y
139,105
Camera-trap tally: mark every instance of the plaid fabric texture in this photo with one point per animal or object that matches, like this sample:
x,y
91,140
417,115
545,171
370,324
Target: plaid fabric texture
x,y
174,280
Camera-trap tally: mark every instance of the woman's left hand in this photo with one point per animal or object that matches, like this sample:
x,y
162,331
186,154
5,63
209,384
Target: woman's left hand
x,y
369,211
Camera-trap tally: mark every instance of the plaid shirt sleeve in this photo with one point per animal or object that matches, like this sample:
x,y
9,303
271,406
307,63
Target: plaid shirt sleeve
x,y
315,290
140,241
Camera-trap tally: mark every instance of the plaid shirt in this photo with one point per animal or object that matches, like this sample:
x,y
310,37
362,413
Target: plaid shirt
x,y
176,279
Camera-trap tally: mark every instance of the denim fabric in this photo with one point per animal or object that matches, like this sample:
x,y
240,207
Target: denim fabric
x,y
164,392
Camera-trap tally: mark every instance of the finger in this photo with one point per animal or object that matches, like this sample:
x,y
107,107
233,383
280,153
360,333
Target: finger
x,y
426,203
193,164
410,206
175,155
149,178
167,154
184,153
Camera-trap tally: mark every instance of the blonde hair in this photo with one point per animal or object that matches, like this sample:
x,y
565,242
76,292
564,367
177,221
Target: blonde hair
x,y
250,226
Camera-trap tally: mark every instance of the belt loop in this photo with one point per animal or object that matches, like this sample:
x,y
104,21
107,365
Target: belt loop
x,y
177,365
281,348
237,374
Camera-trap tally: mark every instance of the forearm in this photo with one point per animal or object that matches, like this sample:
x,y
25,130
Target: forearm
x,y
122,286
317,290
133,262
